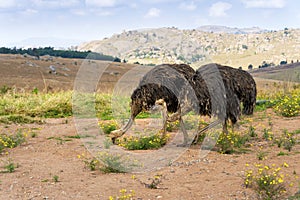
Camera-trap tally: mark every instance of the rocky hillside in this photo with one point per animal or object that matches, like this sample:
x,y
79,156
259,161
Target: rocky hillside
x,y
154,46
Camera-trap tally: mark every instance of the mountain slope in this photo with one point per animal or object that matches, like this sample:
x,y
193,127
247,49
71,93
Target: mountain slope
x,y
195,46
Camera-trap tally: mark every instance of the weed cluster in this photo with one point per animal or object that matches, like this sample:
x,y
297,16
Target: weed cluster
x,y
286,140
154,141
269,182
108,127
288,105
9,166
124,195
12,140
109,163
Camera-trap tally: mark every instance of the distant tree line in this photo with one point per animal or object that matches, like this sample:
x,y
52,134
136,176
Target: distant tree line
x,y
37,52
265,64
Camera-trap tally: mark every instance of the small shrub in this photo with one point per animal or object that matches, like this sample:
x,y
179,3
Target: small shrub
x,y
286,140
9,167
261,155
55,178
267,135
288,105
155,141
269,182
252,132
108,127
231,142
13,140
123,195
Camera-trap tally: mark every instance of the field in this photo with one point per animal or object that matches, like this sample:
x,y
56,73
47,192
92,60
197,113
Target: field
x,y
45,154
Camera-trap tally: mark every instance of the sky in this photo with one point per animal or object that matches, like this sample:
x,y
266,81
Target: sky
x,y
86,20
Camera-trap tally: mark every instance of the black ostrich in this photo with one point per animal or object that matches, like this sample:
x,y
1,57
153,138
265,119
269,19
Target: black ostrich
x,y
160,86
220,90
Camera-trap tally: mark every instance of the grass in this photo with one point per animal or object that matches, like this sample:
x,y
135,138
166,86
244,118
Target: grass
x,y
154,141
9,167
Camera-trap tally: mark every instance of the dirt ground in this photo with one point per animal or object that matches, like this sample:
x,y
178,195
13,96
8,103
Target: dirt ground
x,y
40,158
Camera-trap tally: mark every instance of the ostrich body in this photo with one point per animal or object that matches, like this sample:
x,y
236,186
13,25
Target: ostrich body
x,y
160,86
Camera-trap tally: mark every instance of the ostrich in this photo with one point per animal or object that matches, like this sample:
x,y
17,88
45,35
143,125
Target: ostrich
x,y
160,86
244,87
219,90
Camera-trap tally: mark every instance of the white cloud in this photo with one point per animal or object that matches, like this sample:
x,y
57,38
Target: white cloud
x,y
219,9
102,3
159,1
7,3
188,6
30,11
153,12
264,3
55,3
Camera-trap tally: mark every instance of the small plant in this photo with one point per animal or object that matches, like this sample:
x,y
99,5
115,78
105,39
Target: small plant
x,y
91,164
261,155
231,142
288,105
12,140
252,132
154,182
109,163
123,195
155,141
281,153
267,135
55,178
269,182
115,163
108,127
9,167
286,140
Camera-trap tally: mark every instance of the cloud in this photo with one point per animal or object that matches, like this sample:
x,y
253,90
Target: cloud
x,y
46,4
159,1
264,3
102,3
188,6
153,12
219,9
7,3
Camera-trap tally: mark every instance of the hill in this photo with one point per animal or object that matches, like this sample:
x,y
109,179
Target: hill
x,y
163,45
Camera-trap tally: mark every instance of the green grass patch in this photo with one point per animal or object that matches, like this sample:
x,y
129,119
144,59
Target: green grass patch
x,y
154,141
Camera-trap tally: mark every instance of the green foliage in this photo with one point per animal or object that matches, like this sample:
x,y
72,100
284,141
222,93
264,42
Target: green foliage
x,y
9,167
269,182
286,140
108,163
52,105
231,142
12,140
58,53
108,127
288,105
154,141
55,178
4,89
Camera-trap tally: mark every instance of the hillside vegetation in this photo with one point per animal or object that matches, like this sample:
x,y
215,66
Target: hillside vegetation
x,y
162,45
